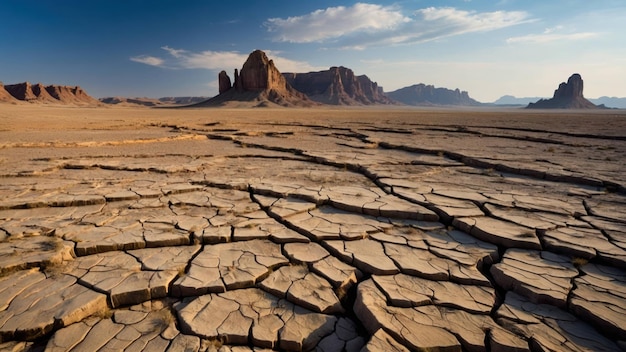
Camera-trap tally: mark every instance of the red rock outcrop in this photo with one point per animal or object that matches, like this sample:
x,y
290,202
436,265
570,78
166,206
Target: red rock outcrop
x,y
69,94
224,82
568,96
5,97
259,82
54,94
338,86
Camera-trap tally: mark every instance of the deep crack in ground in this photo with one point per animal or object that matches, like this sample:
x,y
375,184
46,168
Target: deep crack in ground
x,y
335,236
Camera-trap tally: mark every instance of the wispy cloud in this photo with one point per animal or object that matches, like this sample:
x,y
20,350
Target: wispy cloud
x,y
363,25
552,35
334,22
218,60
148,60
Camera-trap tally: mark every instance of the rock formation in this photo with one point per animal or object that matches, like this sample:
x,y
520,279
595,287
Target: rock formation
x,y
568,96
54,94
5,96
152,102
224,82
122,101
258,82
428,95
338,86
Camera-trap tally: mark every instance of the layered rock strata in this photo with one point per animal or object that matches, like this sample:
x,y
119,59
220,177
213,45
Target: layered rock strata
x,y
338,86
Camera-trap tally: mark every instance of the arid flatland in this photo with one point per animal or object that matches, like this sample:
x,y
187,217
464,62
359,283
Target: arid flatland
x,y
299,229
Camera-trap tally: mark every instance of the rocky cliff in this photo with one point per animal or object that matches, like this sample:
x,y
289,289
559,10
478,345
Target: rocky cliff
x,y
259,83
568,96
51,94
338,86
5,96
428,95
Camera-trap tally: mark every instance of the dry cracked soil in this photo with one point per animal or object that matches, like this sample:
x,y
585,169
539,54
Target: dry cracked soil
x,y
328,230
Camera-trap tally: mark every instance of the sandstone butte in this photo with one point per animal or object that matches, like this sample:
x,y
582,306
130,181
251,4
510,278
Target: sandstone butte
x,y
259,82
567,96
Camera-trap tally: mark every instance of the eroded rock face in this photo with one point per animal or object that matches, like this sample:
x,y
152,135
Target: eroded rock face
x,y
223,82
260,81
338,86
259,73
571,90
568,96
49,94
5,96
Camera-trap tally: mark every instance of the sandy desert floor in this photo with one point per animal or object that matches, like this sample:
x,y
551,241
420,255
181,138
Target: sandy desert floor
x,y
329,229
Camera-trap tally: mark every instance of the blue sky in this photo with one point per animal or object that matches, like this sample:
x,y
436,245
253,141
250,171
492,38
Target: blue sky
x,y
160,48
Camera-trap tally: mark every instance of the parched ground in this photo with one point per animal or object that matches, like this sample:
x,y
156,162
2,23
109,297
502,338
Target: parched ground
x,y
330,230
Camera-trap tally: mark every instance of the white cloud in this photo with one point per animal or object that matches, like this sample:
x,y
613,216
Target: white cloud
x,y
448,21
334,22
550,36
148,60
364,25
219,60
173,52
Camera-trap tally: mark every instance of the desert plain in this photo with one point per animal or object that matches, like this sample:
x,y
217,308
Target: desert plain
x,y
351,229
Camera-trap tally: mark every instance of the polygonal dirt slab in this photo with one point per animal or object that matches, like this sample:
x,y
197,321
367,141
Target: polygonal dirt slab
x,y
542,277
119,275
584,243
408,291
341,275
345,338
499,232
548,328
302,288
229,266
140,328
253,316
381,341
375,202
328,223
367,255
600,298
165,258
37,251
91,239
32,305
425,327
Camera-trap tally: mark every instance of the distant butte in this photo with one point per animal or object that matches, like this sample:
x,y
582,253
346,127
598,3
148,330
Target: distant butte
x,y
428,95
568,96
258,83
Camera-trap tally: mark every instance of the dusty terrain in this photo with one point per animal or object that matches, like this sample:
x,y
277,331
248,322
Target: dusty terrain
x,y
296,229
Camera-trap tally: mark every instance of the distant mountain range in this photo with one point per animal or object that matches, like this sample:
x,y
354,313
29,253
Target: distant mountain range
x,y
428,95
609,102
40,94
151,102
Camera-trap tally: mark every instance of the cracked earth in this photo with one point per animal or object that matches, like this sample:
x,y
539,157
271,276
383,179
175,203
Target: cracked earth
x,y
328,230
